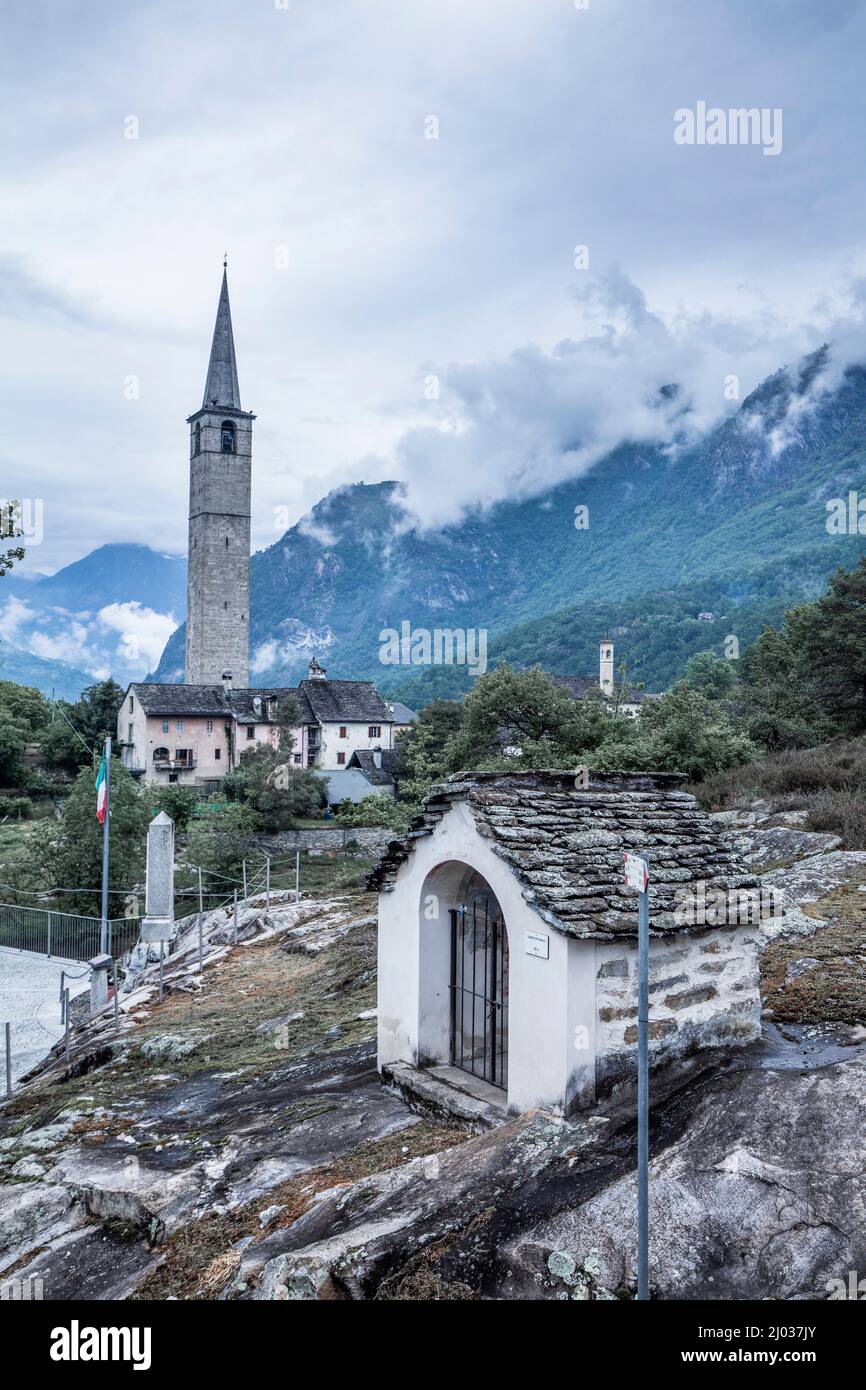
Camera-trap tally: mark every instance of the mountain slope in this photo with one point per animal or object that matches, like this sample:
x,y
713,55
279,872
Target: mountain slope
x,y
108,613
749,495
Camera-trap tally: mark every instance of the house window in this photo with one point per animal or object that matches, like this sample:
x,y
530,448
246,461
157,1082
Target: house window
x,y
228,437
297,757
341,760
129,739
165,726
197,448
217,752
172,777
251,731
374,731
180,726
131,704
344,733
209,726
160,755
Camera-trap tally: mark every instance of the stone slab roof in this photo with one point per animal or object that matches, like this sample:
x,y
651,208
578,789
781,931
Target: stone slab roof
x,y
578,687
318,701
379,776
352,701
183,699
402,714
566,844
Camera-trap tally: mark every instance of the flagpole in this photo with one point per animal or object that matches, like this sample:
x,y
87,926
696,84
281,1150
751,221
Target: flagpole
x,y
103,931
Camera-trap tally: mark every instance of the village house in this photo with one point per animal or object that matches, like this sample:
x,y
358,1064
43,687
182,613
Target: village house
x,y
508,939
195,734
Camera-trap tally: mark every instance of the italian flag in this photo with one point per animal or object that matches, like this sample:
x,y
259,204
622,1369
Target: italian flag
x,y
101,793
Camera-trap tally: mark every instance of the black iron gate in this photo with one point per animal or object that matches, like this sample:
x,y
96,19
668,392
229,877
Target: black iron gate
x,y
479,991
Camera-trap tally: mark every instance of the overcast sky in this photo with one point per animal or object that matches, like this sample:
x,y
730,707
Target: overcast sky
x,y
366,258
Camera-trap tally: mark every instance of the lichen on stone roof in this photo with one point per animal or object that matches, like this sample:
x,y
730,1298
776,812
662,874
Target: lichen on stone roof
x,y
565,844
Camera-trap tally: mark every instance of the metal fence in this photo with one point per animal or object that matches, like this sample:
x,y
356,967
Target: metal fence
x,y
66,935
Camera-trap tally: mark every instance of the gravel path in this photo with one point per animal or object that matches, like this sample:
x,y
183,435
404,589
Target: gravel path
x,y
30,1001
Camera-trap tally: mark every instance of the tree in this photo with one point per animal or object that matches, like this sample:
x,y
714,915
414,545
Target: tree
x,y
375,809
10,529
521,718
710,675
684,731
180,803
220,839
71,852
24,713
274,789
781,707
830,638
83,725
420,750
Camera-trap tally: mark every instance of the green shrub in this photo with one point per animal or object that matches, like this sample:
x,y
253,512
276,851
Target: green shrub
x,y
375,810
180,803
21,807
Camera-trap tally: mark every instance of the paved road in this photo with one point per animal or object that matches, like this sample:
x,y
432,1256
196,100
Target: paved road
x,y
30,1001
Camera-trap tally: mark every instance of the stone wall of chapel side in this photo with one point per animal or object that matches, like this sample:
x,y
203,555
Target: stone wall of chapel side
x,y
704,992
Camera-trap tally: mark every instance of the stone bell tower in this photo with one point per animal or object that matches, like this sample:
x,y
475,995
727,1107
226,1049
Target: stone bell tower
x,y
218,581
605,665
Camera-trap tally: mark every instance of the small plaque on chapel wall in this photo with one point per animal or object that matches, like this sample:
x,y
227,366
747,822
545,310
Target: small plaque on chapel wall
x,y
537,943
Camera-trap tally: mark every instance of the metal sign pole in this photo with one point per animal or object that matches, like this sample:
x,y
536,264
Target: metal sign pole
x,y
297,876
268,884
643,1096
8,1059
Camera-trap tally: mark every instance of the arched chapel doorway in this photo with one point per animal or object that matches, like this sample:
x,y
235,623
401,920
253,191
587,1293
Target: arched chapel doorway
x,y
479,985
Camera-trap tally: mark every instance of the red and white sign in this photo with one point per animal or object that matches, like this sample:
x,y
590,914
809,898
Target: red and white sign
x,y
636,872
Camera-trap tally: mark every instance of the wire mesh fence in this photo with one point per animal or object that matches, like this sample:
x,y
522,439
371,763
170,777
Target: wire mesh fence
x,y
66,935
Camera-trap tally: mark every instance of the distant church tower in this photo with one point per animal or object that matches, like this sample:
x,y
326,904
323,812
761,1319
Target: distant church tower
x,y
218,582
605,665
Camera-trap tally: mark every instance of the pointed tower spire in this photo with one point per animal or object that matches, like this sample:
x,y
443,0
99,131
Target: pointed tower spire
x,y
221,387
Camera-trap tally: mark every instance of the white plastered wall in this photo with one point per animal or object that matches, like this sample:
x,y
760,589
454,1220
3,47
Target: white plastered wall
x,y
552,1008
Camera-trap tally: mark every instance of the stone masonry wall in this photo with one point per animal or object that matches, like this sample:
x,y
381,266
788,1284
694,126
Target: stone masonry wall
x,y
703,992
372,839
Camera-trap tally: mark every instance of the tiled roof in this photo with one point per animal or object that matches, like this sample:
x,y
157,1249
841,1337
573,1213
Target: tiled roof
x,y
565,844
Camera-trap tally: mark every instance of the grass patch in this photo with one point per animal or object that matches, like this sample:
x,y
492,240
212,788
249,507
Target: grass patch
x,y
834,989
826,781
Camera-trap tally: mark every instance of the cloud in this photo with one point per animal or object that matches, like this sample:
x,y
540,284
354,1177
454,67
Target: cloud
x,y
264,657
317,532
14,614
518,426
556,129
24,295
143,631
70,646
